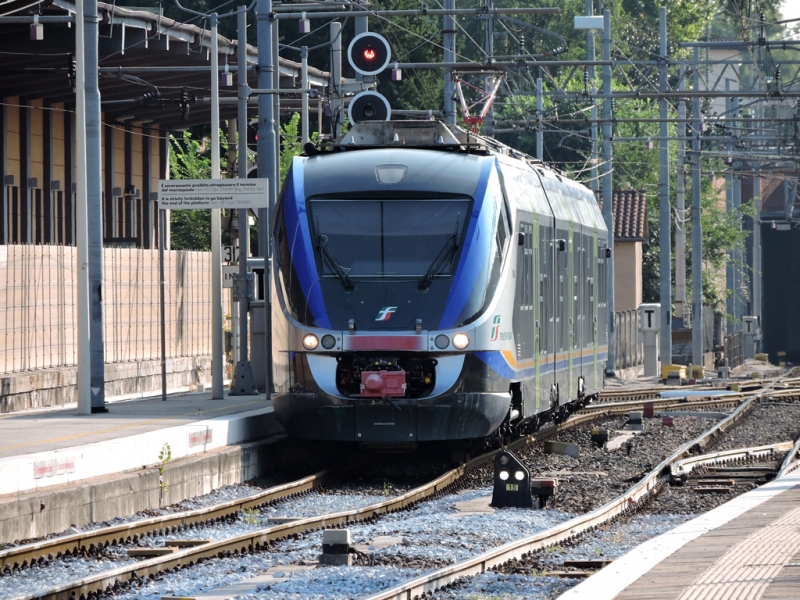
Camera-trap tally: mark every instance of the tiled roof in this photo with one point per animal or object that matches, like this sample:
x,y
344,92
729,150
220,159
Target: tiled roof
x,y
630,215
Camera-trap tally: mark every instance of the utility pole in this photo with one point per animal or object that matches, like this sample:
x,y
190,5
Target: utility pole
x,y
243,382
305,134
337,107
266,166
738,271
680,209
697,231
608,190
665,264
449,43
730,284
84,374
216,229
594,184
488,121
539,126
94,187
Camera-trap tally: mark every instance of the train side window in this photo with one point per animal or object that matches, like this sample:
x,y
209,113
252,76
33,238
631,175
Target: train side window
x,y
502,230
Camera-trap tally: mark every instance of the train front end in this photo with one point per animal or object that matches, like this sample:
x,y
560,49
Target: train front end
x,y
386,263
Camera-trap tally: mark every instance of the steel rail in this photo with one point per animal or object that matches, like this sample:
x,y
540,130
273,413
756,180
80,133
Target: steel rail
x,y
88,541
572,528
687,465
261,539
667,404
790,462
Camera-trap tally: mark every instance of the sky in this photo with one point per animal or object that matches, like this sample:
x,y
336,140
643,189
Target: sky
x,y
791,9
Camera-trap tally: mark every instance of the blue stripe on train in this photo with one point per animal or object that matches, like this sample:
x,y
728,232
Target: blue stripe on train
x,y
477,246
300,246
495,361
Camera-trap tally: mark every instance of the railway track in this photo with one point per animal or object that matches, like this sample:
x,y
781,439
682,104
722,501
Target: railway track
x,y
624,504
90,542
97,585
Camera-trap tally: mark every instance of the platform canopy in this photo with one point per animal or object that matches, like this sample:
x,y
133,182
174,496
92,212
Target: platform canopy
x,y
147,63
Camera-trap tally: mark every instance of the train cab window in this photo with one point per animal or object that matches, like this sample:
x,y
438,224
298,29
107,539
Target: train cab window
x,y
388,238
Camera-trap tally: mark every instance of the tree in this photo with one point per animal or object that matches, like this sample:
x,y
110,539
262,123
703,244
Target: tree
x,y
191,159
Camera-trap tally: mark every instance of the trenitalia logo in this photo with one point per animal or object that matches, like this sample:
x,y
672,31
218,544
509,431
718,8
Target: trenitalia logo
x,y
495,328
386,313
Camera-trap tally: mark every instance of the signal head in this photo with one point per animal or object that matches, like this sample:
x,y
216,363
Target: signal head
x,y
369,106
252,136
369,53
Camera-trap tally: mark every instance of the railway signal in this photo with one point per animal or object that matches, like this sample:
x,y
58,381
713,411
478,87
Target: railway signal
x,y
369,53
369,106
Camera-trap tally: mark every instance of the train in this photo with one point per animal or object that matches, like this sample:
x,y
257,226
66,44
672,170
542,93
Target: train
x,y
433,285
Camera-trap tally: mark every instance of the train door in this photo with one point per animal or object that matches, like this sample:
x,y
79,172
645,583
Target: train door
x,y
589,315
562,309
523,305
546,321
577,306
602,299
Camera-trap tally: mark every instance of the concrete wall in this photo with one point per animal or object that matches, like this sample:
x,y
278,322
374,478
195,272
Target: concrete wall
x,y
35,514
47,388
627,275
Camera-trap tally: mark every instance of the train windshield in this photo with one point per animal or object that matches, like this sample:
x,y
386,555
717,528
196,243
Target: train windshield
x,y
388,238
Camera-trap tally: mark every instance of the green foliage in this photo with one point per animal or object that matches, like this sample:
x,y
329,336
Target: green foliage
x,y
164,457
190,158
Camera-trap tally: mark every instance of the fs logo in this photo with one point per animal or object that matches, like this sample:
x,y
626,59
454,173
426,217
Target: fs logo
x,y
385,313
495,329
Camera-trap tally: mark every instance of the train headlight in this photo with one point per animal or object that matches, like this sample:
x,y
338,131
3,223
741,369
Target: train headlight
x,y
310,341
328,341
461,340
519,475
441,341
503,475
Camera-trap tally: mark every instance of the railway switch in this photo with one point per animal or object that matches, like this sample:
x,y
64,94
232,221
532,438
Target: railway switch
x,y
512,482
336,548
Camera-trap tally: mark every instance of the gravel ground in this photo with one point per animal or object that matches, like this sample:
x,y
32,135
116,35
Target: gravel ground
x,y
435,534
598,475
527,579
764,425
428,537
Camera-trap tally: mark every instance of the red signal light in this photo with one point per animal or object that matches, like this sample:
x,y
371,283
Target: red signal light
x,y
369,53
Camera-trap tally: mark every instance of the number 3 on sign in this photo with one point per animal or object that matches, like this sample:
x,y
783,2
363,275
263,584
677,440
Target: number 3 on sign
x,y
230,254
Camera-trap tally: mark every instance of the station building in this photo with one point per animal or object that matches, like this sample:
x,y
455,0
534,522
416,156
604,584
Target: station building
x,y
154,80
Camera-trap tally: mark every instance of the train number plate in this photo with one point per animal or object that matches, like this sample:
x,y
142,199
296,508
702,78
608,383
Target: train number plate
x,y
512,487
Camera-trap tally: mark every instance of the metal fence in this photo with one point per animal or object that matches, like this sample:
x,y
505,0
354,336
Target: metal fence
x,y
38,297
734,349
630,352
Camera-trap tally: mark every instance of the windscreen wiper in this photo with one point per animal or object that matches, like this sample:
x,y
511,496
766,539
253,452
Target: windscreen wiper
x,y
329,258
445,255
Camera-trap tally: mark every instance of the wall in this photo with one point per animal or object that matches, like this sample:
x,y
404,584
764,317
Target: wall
x,y
35,514
627,275
38,297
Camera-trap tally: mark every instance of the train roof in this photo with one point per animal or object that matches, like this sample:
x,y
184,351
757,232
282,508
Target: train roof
x,y
430,135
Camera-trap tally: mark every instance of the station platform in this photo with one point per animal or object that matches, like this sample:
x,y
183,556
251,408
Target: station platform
x,y
746,549
60,470
47,448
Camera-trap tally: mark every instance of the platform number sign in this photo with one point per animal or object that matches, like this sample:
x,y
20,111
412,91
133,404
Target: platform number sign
x,y
230,254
